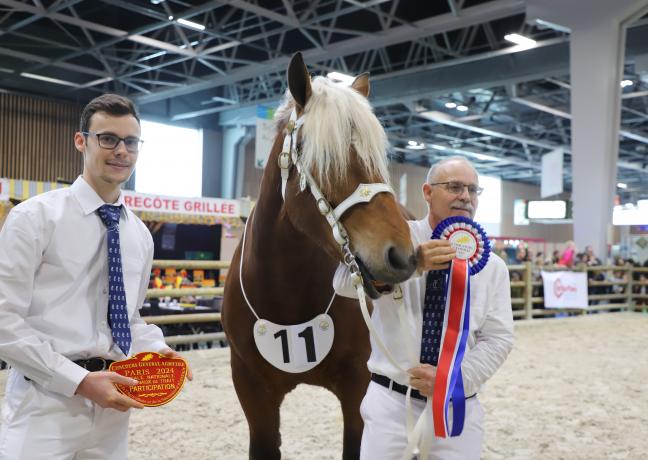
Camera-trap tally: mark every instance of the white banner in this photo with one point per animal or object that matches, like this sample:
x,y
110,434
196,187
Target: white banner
x,y
4,189
551,181
565,289
179,205
265,135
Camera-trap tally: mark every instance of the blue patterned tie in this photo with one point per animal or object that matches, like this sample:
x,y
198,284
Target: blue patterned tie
x,y
433,311
117,312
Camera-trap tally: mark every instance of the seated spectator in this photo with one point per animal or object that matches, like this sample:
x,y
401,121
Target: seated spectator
x,y
522,255
591,257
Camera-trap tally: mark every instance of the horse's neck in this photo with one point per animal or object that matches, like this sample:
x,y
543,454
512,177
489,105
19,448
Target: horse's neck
x,y
284,264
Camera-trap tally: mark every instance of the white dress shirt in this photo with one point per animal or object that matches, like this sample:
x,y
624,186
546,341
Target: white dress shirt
x,y
491,320
54,286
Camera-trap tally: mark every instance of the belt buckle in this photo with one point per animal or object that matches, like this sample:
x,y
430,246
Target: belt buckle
x,y
103,364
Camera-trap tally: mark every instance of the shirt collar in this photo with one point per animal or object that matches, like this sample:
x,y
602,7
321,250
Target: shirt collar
x,y
424,225
89,200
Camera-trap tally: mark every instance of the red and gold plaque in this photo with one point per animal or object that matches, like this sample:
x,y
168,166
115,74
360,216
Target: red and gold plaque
x,y
159,378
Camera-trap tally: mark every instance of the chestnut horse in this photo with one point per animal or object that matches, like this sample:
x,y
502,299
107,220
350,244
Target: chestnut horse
x,y
332,147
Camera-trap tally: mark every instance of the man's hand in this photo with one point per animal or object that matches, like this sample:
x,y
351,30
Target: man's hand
x,y
434,255
422,378
170,353
99,387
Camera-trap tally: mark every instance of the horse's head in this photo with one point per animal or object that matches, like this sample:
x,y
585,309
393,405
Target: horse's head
x,y
337,146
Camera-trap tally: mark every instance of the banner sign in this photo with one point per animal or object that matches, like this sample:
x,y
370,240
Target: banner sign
x,y
551,181
179,205
4,189
565,289
265,135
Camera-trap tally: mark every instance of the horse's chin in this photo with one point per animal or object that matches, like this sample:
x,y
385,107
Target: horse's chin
x,y
373,288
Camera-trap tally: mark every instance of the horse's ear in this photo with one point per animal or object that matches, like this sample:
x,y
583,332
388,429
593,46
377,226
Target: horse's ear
x,y
299,80
361,84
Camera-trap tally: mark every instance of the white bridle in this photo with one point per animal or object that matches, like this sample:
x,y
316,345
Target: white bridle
x,y
364,193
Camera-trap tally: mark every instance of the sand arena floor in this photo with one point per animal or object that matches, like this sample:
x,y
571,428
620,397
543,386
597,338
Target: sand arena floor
x,y
573,388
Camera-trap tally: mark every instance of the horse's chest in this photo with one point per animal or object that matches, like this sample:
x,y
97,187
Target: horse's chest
x,y
294,348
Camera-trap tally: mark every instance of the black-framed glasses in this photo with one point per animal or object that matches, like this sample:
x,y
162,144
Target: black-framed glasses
x,y
111,141
457,188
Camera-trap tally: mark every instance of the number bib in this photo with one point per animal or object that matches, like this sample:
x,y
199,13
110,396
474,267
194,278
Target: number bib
x,y
294,348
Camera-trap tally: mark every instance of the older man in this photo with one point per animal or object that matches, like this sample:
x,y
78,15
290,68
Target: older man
x,y
451,189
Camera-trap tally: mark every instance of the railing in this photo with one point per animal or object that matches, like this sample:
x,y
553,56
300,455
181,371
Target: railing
x,y
526,298
195,334
528,303
526,295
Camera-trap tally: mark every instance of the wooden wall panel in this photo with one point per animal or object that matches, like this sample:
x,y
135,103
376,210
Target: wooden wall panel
x,y
36,138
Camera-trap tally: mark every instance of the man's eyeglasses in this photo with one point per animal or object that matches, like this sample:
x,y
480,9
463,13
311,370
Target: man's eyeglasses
x,y
111,141
457,188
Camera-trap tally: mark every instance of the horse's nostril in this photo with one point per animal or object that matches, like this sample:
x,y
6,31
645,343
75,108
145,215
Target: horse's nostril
x,y
397,259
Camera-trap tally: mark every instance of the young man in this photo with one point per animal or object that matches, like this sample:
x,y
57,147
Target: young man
x,y
74,269
451,189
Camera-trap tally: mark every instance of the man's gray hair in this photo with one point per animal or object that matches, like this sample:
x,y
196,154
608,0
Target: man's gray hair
x,y
434,170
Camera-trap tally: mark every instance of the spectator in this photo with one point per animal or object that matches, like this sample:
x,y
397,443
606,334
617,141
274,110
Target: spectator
x,y
568,256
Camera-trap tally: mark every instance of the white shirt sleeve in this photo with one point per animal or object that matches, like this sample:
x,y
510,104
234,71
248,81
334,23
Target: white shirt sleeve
x,y
21,246
145,337
342,282
494,340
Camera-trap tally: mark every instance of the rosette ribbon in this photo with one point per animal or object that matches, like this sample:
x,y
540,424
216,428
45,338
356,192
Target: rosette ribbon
x,y
472,251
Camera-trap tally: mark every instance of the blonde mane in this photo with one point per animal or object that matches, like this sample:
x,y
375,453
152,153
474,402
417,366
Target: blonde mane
x,y
335,118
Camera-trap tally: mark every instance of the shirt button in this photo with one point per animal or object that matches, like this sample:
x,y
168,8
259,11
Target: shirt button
x,y
105,290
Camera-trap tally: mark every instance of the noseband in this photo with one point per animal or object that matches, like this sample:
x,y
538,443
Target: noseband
x,y
364,193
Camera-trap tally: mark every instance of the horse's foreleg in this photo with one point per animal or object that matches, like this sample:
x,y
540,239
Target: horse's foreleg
x,y
261,407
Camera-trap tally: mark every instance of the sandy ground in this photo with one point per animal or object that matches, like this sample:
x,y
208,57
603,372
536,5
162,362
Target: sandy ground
x,y
573,388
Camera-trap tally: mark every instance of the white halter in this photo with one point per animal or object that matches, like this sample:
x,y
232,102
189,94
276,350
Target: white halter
x,y
290,155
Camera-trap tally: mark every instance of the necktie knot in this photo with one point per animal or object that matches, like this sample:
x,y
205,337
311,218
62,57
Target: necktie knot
x,y
110,215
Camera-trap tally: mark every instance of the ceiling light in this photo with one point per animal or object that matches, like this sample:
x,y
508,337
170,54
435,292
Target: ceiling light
x,y
193,25
462,108
521,40
340,77
450,105
170,18
622,185
625,83
48,79
481,156
414,145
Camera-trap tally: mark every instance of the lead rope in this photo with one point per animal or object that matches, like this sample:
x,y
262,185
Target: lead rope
x,y
416,442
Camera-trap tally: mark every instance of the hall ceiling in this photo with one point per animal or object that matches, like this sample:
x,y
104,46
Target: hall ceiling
x,y
421,55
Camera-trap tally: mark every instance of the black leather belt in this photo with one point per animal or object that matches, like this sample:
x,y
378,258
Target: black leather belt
x,y
91,364
94,364
402,389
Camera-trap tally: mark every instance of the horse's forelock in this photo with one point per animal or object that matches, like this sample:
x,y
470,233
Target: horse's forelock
x,y
337,116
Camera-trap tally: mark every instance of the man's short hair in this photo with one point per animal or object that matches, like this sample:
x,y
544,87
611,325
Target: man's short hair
x,y
434,170
112,104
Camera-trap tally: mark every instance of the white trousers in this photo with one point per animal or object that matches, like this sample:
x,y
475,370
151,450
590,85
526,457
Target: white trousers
x,y
385,428
41,425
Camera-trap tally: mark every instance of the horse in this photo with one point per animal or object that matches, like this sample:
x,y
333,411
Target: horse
x,y
329,146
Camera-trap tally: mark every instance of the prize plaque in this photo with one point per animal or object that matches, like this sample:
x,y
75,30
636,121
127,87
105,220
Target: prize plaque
x,y
159,378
